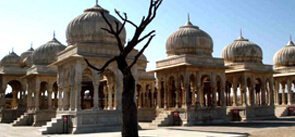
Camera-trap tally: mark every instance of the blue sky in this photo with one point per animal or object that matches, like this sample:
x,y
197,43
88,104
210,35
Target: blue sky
x,y
265,22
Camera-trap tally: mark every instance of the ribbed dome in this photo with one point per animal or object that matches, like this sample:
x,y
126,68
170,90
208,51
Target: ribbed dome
x,y
242,50
88,27
27,53
26,57
12,59
189,39
46,54
285,56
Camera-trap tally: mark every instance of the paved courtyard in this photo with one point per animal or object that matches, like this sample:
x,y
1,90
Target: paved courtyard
x,y
284,127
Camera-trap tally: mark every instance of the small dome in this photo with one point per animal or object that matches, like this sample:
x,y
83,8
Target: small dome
x,y
189,39
88,27
12,59
46,54
27,53
285,56
26,57
242,50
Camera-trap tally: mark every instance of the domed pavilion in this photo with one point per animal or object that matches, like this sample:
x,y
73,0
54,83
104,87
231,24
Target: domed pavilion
x,y
190,80
248,81
284,67
85,94
41,83
12,104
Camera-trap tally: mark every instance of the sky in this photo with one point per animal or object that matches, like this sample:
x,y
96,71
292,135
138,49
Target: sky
x,y
268,23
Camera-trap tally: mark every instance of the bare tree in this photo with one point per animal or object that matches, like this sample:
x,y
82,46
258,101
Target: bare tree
x,y
129,109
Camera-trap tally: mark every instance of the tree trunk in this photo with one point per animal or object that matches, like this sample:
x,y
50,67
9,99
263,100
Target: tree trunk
x,y
129,109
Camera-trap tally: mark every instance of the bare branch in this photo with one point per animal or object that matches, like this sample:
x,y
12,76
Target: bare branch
x,y
147,35
141,51
154,5
116,34
125,18
100,70
107,30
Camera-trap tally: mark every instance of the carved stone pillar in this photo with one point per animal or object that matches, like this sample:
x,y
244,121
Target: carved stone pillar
x,y
263,90
37,96
78,86
289,87
106,97
119,89
177,91
283,94
200,93
59,103
187,88
193,92
49,97
2,96
110,99
213,86
235,99
222,98
159,93
95,95
271,92
244,93
165,93
66,98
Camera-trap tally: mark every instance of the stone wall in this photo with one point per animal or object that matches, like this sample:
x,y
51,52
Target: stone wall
x,y
43,116
260,112
207,116
96,121
146,114
8,116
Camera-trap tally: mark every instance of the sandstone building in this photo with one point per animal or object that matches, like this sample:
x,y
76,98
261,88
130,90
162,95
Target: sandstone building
x,y
52,86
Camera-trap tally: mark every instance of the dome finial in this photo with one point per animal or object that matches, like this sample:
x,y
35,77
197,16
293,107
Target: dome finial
x,y
12,51
54,34
96,2
290,43
189,23
241,35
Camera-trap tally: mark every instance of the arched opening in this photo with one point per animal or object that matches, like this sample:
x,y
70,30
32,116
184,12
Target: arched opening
x,y
13,95
43,100
207,90
258,85
87,90
106,91
55,95
149,96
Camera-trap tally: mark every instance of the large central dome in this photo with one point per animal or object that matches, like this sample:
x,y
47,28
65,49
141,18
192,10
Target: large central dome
x,y
189,39
88,27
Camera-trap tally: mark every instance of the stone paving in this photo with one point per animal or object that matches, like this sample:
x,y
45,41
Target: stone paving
x,y
268,128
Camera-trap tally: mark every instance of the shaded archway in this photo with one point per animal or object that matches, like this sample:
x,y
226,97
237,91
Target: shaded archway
x,y
258,86
14,98
87,90
207,90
